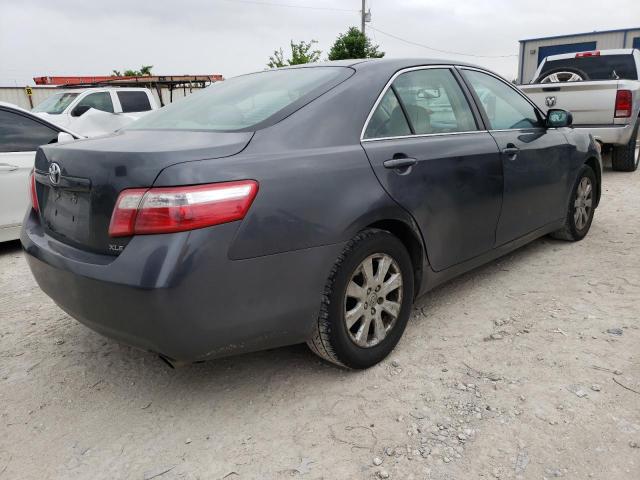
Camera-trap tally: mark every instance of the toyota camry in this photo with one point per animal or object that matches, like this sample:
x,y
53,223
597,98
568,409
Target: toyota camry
x,y
307,204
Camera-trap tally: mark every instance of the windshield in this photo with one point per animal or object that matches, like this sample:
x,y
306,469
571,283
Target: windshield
x,y
56,103
245,102
602,67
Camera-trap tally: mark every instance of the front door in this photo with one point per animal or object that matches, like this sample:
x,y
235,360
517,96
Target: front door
x,y
428,152
534,158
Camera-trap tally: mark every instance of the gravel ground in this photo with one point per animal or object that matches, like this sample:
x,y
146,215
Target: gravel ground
x,y
525,368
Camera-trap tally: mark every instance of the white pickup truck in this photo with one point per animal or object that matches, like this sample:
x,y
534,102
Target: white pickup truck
x,y
111,108
602,91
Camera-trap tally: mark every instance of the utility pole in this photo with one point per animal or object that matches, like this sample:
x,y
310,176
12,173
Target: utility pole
x,y
362,15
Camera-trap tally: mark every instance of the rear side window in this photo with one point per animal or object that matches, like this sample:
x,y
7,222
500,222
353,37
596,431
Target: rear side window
x,y
434,102
388,120
99,101
604,67
21,134
134,101
247,102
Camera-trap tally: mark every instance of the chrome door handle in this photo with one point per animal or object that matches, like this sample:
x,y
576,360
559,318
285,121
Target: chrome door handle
x,y
400,163
5,167
511,152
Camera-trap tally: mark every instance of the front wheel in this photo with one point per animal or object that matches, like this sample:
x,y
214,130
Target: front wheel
x,y
366,303
581,207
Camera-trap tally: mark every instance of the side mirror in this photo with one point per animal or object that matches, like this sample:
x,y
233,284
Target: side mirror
x,y
64,137
557,118
79,110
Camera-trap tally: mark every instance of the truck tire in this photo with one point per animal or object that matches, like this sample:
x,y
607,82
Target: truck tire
x,y
626,157
355,327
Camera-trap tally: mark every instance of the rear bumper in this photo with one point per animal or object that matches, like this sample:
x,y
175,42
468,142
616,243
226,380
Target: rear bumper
x,y
610,135
179,295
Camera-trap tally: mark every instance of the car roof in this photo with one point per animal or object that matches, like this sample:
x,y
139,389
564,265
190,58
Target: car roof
x,y
16,108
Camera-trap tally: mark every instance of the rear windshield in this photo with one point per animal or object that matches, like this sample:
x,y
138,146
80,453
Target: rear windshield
x,y
605,67
246,102
56,103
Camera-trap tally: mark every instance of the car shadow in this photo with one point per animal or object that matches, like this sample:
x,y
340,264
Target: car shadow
x,y
12,246
252,371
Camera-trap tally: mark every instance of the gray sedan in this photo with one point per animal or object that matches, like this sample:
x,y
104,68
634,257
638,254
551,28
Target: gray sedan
x,y
310,204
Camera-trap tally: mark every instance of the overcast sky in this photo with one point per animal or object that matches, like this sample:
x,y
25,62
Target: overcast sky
x,y
86,37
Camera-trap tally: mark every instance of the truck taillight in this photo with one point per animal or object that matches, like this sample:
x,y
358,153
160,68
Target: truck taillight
x,y
595,53
624,104
33,192
176,209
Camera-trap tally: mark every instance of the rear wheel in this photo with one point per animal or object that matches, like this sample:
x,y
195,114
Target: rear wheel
x,y
366,303
581,207
627,157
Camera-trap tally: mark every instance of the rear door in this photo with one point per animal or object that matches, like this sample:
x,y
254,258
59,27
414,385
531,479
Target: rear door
x,y
20,136
430,154
535,159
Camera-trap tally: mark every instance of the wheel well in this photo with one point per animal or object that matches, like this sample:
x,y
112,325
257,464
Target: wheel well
x,y
412,243
595,166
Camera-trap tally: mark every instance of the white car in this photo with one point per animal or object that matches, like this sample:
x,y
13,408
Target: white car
x,y
21,133
111,108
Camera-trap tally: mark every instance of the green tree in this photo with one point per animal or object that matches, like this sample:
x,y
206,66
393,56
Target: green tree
x,y
145,70
116,73
353,44
301,52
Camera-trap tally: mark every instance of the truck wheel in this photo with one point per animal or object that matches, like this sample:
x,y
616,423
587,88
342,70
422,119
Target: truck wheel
x,y
581,207
626,157
366,303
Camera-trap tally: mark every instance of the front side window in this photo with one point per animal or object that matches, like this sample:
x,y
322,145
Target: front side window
x,y
134,101
56,103
434,102
505,108
99,101
21,134
246,102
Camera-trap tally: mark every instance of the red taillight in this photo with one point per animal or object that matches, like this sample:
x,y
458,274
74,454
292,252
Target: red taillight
x,y
595,53
33,192
624,104
175,209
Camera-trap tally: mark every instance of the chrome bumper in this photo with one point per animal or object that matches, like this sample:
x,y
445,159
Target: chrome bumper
x,y
614,135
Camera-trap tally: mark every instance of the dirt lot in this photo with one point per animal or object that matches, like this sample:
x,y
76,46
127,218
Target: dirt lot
x,y
507,372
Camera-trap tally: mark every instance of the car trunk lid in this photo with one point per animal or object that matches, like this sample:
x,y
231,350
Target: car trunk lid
x,y
78,183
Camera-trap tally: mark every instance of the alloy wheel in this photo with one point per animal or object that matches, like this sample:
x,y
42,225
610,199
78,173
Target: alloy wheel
x,y
373,299
583,203
560,77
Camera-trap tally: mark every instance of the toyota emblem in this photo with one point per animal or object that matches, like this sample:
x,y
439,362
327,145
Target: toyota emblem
x,y
54,173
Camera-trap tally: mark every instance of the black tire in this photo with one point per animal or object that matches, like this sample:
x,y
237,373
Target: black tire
x,y
571,231
624,159
577,71
330,339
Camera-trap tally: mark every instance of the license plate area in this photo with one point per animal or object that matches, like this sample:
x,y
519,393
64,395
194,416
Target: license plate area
x,y
67,213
